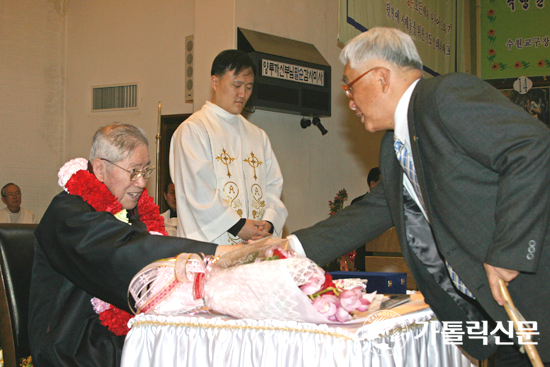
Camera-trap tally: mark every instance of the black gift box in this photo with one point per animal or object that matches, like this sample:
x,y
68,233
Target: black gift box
x,y
383,283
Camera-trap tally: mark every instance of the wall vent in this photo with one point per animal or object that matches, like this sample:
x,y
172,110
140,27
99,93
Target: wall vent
x,y
115,97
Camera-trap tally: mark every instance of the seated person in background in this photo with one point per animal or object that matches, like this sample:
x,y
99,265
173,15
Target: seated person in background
x,y
84,251
171,215
14,212
228,181
372,179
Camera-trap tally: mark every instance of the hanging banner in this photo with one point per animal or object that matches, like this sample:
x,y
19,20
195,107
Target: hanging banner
x,y
515,38
431,23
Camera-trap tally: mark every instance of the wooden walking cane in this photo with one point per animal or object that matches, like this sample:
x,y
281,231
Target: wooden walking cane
x,y
516,318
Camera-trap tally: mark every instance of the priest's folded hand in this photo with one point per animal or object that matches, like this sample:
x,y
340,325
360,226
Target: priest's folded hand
x,y
251,230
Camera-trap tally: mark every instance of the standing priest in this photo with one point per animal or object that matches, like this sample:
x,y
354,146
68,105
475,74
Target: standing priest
x,y
228,181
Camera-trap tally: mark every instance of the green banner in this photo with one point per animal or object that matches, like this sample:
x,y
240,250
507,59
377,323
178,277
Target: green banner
x,y
431,23
515,38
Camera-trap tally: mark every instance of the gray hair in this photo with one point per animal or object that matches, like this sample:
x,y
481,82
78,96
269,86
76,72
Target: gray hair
x,y
5,186
117,141
388,44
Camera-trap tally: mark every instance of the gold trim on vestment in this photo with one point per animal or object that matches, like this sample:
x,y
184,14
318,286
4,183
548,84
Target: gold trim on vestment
x,y
253,162
226,159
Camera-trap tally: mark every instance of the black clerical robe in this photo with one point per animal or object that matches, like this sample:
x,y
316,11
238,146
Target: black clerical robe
x,y
81,254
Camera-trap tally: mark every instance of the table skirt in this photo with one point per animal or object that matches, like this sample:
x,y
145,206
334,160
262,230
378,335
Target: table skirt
x,y
413,340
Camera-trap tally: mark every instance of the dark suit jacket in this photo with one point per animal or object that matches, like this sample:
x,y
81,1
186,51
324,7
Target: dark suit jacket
x,y
483,165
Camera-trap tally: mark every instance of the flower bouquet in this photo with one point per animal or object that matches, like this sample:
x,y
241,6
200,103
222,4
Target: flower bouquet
x,y
263,280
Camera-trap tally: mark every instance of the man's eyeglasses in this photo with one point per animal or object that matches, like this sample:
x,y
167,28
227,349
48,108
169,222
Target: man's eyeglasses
x,y
347,88
135,174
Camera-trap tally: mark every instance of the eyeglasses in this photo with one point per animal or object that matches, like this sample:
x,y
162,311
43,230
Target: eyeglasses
x,y
347,88
135,174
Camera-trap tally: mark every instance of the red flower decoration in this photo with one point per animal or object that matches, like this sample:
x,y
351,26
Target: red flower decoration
x,y
494,66
328,281
491,12
492,51
149,213
96,194
517,65
491,32
540,63
338,202
116,320
278,253
327,284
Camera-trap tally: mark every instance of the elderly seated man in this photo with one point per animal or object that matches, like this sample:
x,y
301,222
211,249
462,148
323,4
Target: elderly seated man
x,y
14,212
94,237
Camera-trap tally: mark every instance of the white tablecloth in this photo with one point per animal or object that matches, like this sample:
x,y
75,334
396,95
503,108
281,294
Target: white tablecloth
x,y
222,341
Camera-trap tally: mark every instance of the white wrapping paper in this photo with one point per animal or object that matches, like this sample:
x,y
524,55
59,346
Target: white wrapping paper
x,y
242,284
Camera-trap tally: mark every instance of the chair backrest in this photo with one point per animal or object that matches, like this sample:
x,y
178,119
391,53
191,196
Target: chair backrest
x,y
16,258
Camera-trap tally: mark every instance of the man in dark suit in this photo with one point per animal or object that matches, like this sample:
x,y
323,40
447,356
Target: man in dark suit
x,y
373,179
465,182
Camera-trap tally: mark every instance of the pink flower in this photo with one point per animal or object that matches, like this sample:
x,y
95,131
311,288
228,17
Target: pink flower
x,y
365,304
326,305
315,282
341,315
69,169
99,305
332,300
351,299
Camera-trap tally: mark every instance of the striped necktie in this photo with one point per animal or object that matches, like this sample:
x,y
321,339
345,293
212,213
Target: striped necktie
x,y
405,159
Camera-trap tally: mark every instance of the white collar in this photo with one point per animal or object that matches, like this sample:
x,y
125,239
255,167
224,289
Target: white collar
x,y
228,116
401,128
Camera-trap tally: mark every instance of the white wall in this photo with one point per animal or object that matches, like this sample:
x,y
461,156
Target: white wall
x,y
32,81
125,41
214,31
315,167
120,41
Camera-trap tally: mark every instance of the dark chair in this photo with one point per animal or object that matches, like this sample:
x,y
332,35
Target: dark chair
x,y
16,258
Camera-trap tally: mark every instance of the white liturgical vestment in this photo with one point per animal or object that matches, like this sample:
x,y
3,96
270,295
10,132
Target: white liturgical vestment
x,y
223,169
24,216
170,223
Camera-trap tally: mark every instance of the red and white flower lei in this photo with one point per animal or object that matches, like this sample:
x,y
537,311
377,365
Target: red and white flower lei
x,y
75,179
